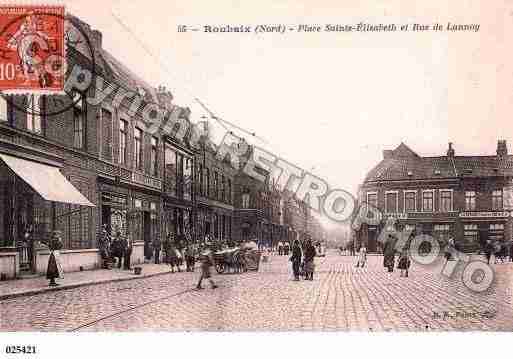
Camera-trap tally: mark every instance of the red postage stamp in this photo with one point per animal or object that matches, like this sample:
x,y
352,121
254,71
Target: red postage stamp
x,y
32,48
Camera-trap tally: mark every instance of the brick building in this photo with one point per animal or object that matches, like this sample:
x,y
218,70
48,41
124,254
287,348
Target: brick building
x,y
465,197
115,167
215,187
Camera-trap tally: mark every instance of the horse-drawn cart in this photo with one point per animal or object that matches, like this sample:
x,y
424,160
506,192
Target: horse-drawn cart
x,y
229,259
237,260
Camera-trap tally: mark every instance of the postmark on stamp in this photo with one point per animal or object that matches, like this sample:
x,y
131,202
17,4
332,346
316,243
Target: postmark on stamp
x,y
32,48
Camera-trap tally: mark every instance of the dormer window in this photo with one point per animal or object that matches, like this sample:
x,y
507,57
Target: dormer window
x,y
141,91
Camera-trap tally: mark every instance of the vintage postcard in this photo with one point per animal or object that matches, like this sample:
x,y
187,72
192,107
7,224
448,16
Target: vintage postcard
x,y
270,166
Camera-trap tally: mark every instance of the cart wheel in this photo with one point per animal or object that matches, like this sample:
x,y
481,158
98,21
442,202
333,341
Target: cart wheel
x,y
220,268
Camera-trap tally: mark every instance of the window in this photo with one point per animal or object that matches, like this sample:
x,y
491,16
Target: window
x,y
107,134
245,200
471,234
179,174
206,190
427,201
496,232
216,186
470,200
79,119
410,201
187,178
35,108
5,110
154,155
391,202
223,188
78,129
229,191
138,148
497,200
445,201
123,135
442,232
497,227
201,179
372,199
170,170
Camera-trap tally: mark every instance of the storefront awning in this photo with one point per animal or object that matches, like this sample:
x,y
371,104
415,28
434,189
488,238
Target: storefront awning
x,y
46,180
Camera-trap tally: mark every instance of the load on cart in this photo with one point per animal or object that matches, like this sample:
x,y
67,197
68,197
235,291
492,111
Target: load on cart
x,y
238,259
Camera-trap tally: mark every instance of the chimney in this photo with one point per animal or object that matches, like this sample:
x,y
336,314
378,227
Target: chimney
x,y
98,37
450,151
387,154
165,98
502,148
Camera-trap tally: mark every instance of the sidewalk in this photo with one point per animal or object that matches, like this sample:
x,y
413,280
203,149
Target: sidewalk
x,y
39,284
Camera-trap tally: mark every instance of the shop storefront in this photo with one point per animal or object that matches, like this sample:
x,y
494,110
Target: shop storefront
x,y
36,198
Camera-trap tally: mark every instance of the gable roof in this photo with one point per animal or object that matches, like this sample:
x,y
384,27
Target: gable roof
x,y
404,164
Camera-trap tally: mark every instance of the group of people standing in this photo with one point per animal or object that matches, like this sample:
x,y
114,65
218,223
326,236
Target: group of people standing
x,y
175,253
500,251
389,251
283,248
117,249
303,259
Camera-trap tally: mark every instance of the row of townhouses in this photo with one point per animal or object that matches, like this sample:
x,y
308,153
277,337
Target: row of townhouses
x,y
468,198
90,167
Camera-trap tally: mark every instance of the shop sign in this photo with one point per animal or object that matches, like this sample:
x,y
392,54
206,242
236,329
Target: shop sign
x,y
146,181
484,214
397,215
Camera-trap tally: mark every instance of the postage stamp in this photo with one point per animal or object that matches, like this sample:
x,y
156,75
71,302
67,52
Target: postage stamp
x,y
32,48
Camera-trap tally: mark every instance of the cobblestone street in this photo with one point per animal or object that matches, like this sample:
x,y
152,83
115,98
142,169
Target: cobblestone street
x,y
341,297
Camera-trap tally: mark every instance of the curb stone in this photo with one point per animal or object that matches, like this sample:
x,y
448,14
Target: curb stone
x,y
32,292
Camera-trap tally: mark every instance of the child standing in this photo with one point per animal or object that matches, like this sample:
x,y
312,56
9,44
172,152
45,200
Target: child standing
x,y
362,257
404,262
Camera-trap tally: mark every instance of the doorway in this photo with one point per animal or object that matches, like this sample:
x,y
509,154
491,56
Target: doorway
x,y
146,232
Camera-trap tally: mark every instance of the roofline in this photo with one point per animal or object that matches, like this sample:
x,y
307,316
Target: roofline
x,y
445,179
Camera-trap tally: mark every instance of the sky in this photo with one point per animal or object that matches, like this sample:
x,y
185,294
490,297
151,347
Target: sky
x,y
328,102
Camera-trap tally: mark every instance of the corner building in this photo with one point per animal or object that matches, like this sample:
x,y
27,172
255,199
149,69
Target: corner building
x,y
468,198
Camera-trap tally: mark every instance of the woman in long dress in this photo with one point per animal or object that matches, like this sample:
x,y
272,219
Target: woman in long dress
x,y
389,253
309,260
54,269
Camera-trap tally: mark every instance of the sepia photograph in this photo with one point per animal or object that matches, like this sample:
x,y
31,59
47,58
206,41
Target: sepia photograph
x,y
200,172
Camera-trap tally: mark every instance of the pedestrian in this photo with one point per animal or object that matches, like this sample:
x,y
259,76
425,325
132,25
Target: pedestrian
x,y
128,252
510,252
189,258
103,247
172,257
286,248
309,260
118,248
403,263
207,261
362,256
54,269
156,247
389,253
280,248
488,249
296,259
449,249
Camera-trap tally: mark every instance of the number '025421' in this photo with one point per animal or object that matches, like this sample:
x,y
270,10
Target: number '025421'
x,y
20,349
